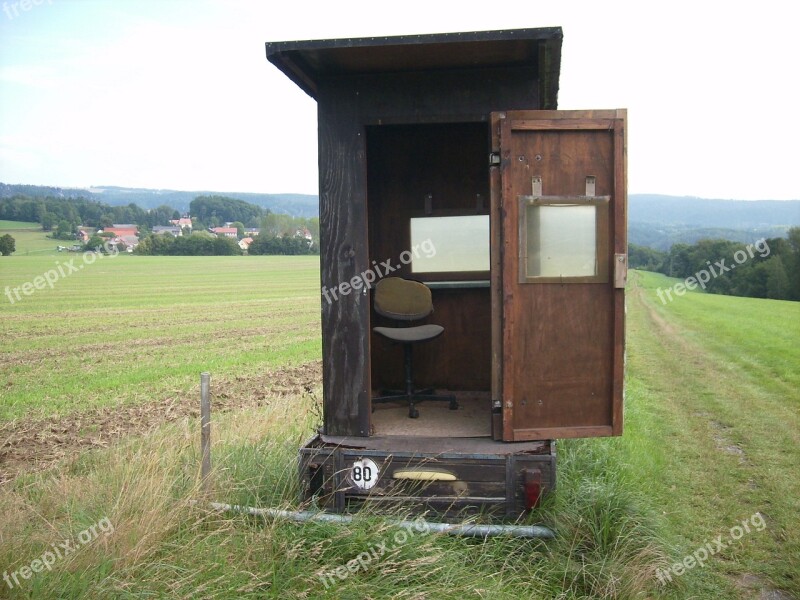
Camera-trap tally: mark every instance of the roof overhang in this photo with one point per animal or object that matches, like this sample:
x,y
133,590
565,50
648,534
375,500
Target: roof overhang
x,y
308,62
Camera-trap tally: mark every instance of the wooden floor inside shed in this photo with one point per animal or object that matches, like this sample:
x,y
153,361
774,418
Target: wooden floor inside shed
x,y
472,419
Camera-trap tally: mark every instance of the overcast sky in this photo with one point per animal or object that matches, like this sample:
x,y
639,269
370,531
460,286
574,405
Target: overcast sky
x,y
179,95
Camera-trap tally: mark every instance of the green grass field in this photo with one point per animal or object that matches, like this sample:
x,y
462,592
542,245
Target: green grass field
x,y
711,439
131,329
19,226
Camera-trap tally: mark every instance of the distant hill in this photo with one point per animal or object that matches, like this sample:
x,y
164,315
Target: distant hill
x,y
659,221
702,212
662,237
654,220
297,205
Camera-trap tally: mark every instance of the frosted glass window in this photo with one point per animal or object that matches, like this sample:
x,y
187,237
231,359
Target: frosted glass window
x,y
561,241
450,244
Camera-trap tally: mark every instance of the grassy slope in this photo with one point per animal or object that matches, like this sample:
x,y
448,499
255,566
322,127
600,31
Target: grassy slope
x,y
711,437
29,239
19,226
719,379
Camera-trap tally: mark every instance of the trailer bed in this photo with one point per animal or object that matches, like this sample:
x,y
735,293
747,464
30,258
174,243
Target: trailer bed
x,y
446,476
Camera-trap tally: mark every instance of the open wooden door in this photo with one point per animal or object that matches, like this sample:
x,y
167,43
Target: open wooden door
x,y
559,266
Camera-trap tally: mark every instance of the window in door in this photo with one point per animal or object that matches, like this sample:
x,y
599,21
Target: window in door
x,y
562,240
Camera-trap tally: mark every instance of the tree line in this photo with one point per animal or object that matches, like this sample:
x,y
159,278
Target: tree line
x,y
214,211
206,211
62,217
767,268
200,243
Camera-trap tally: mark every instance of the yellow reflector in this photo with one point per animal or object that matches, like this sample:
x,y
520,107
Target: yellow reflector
x,y
423,475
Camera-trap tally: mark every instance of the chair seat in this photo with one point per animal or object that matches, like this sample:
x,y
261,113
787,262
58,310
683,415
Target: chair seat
x,y
407,335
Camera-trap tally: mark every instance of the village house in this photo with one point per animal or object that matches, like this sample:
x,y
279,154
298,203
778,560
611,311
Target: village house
x,y
171,229
183,222
125,242
304,233
121,230
230,232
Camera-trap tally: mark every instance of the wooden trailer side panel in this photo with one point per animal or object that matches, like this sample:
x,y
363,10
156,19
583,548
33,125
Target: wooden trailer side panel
x,y
562,346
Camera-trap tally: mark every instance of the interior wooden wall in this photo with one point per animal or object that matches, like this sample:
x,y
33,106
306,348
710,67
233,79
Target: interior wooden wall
x,y
405,164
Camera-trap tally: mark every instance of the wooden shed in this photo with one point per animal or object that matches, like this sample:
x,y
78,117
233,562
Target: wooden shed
x,y
443,160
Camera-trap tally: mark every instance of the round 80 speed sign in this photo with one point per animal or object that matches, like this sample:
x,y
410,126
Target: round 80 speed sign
x,y
364,473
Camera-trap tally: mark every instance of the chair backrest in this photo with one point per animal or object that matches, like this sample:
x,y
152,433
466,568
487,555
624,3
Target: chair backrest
x,y
402,299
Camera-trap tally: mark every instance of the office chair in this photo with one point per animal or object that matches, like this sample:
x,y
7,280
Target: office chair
x,y
406,301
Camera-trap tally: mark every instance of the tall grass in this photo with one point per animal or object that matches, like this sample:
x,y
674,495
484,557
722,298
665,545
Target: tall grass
x,y
166,544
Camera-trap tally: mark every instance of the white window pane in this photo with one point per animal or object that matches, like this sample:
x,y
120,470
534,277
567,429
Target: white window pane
x,y
460,243
561,241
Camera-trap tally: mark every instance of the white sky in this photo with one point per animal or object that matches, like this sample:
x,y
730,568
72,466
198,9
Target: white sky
x,y
178,94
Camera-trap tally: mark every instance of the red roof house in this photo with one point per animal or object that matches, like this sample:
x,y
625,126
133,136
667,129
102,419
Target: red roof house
x,y
122,230
230,232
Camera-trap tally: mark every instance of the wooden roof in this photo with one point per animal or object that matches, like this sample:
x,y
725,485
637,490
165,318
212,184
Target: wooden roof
x,y
308,62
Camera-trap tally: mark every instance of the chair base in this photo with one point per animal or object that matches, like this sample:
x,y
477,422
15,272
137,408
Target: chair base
x,y
387,392
411,395
416,398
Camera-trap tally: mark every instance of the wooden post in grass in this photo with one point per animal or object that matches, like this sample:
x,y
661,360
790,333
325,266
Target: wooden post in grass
x,y
205,430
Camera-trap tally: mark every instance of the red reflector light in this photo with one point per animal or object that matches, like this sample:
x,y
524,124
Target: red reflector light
x,y
532,484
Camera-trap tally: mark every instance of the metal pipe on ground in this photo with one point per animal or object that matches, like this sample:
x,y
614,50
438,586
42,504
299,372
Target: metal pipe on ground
x,y
461,529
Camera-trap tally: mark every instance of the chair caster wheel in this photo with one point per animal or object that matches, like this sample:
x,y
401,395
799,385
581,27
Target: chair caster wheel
x,y
453,405
413,413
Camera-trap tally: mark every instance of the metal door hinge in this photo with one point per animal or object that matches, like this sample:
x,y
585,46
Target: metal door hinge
x,y
494,159
620,270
